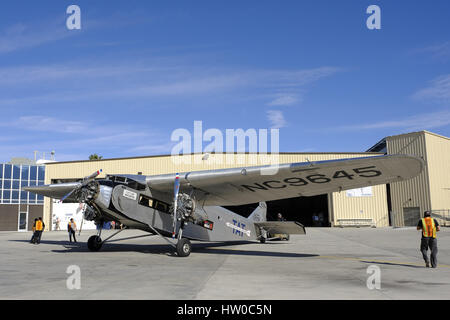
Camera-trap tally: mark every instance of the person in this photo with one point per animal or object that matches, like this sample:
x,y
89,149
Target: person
x,y
72,227
429,227
315,219
33,237
57,222
321,219
37,227
280,217
42,229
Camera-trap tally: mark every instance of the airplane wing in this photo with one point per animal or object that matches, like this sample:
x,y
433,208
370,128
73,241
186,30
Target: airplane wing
x,y
56,191
238,186
283,227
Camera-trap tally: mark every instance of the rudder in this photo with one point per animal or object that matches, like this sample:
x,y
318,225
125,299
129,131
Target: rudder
x,y
260,213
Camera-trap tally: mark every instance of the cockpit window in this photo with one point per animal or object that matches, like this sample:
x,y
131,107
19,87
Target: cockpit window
x,y
133,184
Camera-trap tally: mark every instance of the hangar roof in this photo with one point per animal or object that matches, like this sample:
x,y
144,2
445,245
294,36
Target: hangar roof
x,y
168,155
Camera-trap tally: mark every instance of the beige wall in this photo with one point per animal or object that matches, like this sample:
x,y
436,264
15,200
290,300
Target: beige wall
x,y
414,192
373,207
368,207
426,191
438,154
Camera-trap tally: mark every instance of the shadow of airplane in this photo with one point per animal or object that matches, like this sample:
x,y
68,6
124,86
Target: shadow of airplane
x,y
203,248
393,264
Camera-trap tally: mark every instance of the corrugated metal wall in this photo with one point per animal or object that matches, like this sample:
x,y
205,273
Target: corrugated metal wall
x,y
367,207
438,153
414,192
374,207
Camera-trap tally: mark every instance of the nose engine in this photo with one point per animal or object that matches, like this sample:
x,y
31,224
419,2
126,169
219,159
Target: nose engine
x,y
88,193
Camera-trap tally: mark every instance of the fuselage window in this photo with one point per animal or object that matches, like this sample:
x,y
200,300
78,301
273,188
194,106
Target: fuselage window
x,y
153,203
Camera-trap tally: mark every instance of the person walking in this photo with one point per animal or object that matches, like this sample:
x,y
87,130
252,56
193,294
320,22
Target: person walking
x,y
429,227
33,237
72,227
38,227
57,223
42,229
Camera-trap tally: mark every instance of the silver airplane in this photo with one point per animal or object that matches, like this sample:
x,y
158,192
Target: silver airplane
x,y
189,206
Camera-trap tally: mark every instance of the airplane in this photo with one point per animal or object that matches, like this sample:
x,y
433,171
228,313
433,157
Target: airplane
x,y
189,206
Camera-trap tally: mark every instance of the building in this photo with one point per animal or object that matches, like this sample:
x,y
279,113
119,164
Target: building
x,y
396,204
428,191
18,208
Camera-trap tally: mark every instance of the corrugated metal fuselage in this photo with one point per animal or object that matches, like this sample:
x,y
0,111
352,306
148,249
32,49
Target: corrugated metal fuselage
x,y
124,204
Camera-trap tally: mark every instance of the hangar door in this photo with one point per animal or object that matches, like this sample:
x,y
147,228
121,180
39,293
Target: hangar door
x,y
301,209
411,215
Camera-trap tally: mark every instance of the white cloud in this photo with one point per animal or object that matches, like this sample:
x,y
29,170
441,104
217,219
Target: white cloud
x,y
285,100
20,36
48,124
276,119
438,51
413,123
439,90
82,80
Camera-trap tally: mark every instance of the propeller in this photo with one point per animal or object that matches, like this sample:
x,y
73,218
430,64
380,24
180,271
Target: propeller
x,y
81,208
84,183
176,190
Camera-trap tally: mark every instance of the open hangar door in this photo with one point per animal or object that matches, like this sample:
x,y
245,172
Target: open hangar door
x,y
301,209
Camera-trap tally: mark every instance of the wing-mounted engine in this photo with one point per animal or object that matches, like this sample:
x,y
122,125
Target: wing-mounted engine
x,y
186,209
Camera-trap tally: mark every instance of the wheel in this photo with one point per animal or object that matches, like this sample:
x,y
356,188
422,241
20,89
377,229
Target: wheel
x,y
287,238
184,247
262,240
94,243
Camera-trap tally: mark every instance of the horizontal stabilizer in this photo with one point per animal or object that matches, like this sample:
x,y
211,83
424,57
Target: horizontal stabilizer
x,y
286,227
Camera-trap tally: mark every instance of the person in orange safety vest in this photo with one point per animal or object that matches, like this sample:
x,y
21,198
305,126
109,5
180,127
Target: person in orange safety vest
x,y
72,227
429,227
38,228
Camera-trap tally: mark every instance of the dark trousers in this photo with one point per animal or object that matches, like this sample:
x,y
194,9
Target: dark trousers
x,y
72,233
36,237
33,238
430,243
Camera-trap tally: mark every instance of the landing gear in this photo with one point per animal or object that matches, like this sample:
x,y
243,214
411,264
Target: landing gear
x,y
184,247
94,243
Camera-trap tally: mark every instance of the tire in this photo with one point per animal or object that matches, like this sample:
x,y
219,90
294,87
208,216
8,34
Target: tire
x,y
94,243
262,240
184,247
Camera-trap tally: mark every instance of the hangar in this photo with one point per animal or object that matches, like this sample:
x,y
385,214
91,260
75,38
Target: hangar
x,y
428,191
398,204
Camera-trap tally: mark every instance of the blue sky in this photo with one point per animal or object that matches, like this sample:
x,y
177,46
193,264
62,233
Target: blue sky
x,y
138,70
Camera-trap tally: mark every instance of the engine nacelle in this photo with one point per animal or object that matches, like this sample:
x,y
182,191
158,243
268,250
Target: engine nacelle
x,y
186,206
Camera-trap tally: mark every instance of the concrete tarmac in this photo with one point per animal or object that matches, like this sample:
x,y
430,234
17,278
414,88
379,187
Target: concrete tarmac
x,y
325,263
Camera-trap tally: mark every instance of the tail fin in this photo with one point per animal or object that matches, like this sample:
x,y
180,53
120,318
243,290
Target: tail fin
x,y
260,213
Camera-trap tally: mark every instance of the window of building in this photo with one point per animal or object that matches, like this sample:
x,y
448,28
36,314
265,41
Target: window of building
x,y
13,178
7,171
